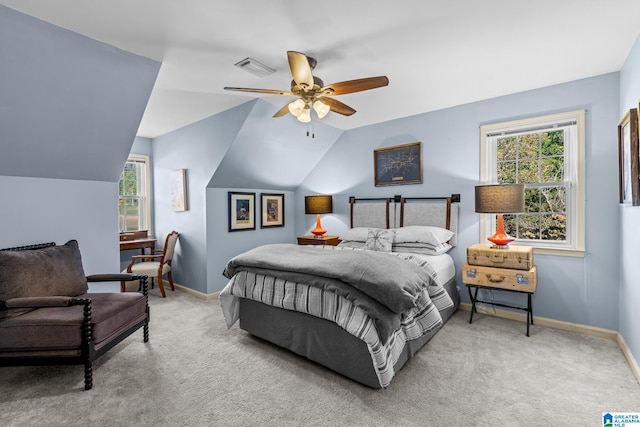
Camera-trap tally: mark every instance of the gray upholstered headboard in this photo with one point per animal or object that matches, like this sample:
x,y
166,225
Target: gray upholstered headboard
x,y
372,213
398,211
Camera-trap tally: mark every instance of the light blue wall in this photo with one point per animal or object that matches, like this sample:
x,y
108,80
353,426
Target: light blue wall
x,y
242,149
580,290
142,146
70,105
69,111
629,312
273,153
224,245
198,148
38,210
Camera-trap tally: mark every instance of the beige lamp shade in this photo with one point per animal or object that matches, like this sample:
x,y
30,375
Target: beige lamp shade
x,y
500,199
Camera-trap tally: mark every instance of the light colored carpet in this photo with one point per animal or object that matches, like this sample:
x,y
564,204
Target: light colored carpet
x,y
195,372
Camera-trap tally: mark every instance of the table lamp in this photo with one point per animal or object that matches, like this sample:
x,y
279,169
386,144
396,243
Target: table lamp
x,y
318,205
500,199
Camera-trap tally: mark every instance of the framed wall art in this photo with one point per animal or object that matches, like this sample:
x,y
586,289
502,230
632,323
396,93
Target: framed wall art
x,y
242,211
178,189
398,165
272,210
628,158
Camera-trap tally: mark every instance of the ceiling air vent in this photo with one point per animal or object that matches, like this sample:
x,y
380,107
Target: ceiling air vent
x,y
254,67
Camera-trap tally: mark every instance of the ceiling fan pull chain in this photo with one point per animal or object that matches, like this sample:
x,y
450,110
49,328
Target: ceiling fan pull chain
x,y
313,132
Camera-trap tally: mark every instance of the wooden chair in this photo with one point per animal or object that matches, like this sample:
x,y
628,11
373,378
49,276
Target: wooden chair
x,y
155,265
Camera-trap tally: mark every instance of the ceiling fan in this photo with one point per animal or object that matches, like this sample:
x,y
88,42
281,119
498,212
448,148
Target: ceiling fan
x,y
311,91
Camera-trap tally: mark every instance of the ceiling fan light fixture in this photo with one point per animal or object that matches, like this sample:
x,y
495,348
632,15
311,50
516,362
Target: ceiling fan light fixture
x,y
321,108
310,89
255,67
305,115
296,107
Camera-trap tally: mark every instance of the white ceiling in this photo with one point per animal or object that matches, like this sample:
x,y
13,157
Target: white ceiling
x,y
436,53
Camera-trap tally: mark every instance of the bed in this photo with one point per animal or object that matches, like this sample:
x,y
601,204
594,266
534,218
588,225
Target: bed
x,y
364,307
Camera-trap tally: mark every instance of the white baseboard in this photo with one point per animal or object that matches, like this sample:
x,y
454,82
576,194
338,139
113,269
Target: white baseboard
x,y
543,321
627,354
198,294
565,326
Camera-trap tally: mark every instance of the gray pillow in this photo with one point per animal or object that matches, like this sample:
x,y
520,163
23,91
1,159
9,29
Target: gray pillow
x,y
56,270
379,240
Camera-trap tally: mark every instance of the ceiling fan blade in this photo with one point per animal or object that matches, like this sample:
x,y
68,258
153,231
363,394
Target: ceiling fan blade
x,y
337,106
358,85
300,69
282,112
271,91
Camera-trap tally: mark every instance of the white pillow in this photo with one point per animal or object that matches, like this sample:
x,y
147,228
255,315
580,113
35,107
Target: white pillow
x,y
422,248
379,239
423,234
356,234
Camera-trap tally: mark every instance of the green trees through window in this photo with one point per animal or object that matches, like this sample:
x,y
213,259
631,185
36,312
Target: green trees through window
x,y
546,154
537,160
133,195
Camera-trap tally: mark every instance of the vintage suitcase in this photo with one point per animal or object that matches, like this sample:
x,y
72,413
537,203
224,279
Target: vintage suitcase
x,y
515,280
518,257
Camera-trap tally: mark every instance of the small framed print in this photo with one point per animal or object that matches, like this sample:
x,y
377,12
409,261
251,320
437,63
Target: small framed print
x,y
178,189
242,211
398,165
628,159
272,210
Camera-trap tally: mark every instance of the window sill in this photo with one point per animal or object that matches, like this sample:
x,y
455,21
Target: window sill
x,y
578,253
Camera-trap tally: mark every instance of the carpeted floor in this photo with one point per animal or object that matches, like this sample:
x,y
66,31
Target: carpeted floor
x,y
195,372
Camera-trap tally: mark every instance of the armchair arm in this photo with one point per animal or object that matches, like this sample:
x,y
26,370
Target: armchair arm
x,y
142,257
135,257
40,302
117,277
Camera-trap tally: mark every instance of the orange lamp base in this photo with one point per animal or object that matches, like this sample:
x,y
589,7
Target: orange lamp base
x,y
500,239
318,231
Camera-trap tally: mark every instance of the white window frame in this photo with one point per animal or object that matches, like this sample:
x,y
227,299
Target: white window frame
x,y
141,158
574,177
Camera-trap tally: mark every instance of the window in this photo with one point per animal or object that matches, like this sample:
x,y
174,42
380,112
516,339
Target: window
x,y
546,154
133,191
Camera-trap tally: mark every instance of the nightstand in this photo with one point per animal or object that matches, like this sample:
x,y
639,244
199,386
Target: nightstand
x,y
476,274
322,240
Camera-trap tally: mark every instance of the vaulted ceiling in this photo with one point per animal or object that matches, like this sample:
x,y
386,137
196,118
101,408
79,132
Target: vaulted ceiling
x,y
436,53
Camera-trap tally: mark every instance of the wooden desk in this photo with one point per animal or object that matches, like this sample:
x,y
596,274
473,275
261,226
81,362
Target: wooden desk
x,y
126,245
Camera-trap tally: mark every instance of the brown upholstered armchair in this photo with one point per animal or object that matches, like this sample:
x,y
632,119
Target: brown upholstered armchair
x,y
47,317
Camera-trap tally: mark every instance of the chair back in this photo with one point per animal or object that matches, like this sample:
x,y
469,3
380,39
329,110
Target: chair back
x,y
169,246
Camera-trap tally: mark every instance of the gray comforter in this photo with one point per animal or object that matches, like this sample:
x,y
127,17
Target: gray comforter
x,y
389,280
384,286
